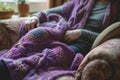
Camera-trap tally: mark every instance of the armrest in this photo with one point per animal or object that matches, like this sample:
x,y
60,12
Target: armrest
x,y
9,32
14,23
110,32
102,62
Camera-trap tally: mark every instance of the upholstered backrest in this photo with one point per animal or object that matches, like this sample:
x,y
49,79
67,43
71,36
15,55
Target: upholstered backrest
x,y
9,32
7,36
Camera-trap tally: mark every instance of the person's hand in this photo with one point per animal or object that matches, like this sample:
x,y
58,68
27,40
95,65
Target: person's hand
x,y
72,35
31,23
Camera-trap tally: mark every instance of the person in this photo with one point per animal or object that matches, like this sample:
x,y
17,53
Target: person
x,y
51,38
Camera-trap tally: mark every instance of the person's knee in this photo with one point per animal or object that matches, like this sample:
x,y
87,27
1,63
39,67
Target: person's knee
x,y
37,32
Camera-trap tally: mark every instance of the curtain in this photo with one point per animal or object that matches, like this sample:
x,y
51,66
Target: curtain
x,y
54,3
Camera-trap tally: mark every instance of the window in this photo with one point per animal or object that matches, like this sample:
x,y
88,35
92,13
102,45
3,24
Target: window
x,y
29,0
35,5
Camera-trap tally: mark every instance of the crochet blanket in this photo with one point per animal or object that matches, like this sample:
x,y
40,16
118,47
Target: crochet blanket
x,y
41,53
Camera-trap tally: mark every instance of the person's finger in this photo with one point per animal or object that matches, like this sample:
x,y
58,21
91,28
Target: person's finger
x,y
65,35
28,26
68,38
33,23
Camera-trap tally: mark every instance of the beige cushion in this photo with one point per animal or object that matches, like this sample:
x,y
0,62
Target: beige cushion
x,y
112,31
67,77
9,29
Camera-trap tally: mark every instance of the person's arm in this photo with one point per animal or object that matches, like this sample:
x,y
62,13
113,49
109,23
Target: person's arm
x,y
57,10
88,35
40,17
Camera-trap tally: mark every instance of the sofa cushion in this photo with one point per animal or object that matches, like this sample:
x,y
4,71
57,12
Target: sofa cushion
x,y
112,31
6,36
9,29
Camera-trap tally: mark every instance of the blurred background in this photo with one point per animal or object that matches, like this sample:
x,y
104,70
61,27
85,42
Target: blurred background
x,y
12,7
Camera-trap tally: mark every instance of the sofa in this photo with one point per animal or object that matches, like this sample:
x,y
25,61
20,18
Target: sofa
x,y
101,63
9,29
